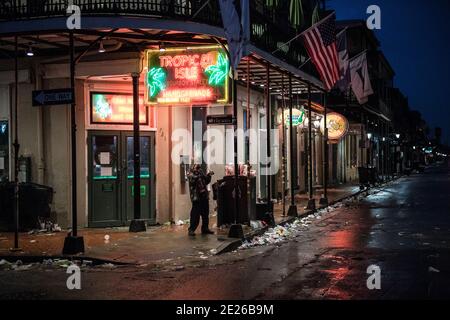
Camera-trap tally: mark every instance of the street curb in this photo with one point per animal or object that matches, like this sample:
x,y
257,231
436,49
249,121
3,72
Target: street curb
x,y
40,259
235,244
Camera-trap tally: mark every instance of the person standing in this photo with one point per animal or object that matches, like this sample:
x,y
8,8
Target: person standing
x,y
198,189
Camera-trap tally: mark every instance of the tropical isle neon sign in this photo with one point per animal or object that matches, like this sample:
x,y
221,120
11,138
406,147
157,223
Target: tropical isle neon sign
x,y
187,76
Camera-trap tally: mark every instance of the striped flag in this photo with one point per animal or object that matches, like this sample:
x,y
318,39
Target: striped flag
x,y
320,41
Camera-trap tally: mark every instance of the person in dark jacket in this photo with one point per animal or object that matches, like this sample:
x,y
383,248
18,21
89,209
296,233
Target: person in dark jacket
x,y
199,193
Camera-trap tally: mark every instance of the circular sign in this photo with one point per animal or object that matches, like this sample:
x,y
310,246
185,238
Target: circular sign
x,y
337,126
298,117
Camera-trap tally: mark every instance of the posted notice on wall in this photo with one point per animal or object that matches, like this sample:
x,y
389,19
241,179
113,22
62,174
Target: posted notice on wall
x,y
106,171
105,158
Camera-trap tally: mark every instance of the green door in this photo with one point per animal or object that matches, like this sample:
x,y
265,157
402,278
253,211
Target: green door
x,y
110,176
104,179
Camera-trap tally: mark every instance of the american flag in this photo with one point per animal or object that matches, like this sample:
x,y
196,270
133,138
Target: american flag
x,y
320,41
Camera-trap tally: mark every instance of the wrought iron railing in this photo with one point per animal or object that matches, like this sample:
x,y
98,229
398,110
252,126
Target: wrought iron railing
x,y
269,30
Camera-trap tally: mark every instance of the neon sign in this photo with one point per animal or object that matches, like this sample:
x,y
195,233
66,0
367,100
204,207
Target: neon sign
x,y
298,117
109,108
337,126
187,75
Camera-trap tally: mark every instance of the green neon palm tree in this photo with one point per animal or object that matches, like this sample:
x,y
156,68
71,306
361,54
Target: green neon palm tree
x,y
272,3
296,16
218,72
156,81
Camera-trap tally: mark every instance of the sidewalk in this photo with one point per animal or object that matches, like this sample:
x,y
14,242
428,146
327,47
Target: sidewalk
x,y
335,193
158,243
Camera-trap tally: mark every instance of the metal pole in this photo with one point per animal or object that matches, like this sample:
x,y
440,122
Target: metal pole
x,y
247,134
269,146
137,224
136,149
311,201
292,208
283,147
73,141
73,244
16,149
324,200
235,147
248,108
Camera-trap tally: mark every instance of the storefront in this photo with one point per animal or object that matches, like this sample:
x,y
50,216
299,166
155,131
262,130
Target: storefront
x,y
179,86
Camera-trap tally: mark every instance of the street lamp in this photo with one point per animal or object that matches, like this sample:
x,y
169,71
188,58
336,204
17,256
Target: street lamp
x,y
30,52
397,135
369,136
101,48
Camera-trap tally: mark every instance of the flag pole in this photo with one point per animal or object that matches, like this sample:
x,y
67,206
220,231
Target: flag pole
x,y
301,33
358,55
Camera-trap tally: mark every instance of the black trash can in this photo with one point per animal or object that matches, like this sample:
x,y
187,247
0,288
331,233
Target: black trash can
x,y
226,202
364,181
34,203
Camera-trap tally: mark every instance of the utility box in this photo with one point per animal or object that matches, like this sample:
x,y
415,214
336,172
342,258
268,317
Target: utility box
x,y
226,201
24,169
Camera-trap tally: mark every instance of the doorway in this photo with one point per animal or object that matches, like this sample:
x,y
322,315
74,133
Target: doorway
x,y
111,174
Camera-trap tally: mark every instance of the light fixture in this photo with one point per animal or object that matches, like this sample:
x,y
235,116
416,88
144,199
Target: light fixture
x,y
30,52
414,147
317,124
384,139
369,136
162,48
101,48
397,135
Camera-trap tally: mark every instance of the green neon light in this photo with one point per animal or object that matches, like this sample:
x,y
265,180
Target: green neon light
x,y
218,72
143,176
105,178
156,81
297,119
101,106
143,191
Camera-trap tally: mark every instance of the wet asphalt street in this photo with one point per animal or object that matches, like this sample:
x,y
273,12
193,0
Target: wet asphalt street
x,y
404,229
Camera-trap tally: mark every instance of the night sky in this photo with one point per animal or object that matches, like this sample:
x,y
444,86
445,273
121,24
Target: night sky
x,y
415,37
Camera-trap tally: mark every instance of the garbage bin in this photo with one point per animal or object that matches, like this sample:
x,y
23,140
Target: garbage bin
x,y
34,203
363,173
373,176
226,201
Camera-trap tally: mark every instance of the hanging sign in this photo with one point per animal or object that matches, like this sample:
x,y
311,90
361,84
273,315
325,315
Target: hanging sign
x,y
337,126
226,119
298,117
109,108
52,97
193,75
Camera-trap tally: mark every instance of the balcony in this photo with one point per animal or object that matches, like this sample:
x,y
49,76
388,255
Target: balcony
x,y
268,29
